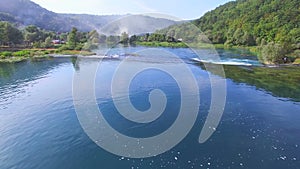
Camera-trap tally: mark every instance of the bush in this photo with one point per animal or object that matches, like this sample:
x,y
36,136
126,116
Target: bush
x,y
37,44
78,47
63,47
90,46
272,53
6,54
297,61
22,53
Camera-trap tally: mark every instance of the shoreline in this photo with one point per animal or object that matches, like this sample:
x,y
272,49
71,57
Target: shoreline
x,y
26,54
251,49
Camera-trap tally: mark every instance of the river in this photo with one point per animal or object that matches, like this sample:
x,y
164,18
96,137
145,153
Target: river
x,y
40,128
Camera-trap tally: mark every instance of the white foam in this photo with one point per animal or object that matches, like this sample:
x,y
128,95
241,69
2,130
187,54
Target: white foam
x,y
101,57
222,62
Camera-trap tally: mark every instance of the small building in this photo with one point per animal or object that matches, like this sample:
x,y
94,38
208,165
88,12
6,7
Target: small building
x,y
57,41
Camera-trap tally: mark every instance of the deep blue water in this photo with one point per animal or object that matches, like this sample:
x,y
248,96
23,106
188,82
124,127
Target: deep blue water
x,y
39,127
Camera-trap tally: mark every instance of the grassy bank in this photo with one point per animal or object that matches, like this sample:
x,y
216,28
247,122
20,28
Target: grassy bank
x,y
22,55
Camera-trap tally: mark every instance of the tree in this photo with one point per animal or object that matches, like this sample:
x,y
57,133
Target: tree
x,y
94,36
146,37
133,39
248,39
10,34
72,39
48,42
93,41
272,53
237,37
124,38
33,34
295,35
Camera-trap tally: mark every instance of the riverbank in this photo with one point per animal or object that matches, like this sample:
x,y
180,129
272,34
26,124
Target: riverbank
x,y
180,45
25,54
293,58
163,44
252,49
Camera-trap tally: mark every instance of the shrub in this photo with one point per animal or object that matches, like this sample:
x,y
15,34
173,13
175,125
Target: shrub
x,y
90,46
63,47
297,61
37,44
6,54
78,47
272,53
22,53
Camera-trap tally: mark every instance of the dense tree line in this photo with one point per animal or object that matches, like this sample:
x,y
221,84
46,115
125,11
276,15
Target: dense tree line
x,y
152,37
270,24
30,36
246,22
9,34
33,36
250,22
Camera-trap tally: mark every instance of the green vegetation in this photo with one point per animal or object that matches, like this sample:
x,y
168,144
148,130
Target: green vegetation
x,y
156,40
9,34
250,22
273,53
31,42
75,52
271,25
268,28
72,39
297,61
124,38
22,55
163,44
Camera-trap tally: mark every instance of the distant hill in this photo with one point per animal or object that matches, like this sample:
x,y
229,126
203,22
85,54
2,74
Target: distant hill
x,y
26,12
93,21
136,24
116,24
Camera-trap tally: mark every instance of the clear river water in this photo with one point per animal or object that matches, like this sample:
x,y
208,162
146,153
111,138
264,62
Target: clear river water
x,y
260,126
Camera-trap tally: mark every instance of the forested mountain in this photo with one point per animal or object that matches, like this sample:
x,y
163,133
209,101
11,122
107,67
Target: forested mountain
x,y
242,21
7,17
250,22
26,12
271,25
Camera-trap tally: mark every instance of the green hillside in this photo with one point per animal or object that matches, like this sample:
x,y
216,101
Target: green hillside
x,y
273,25
247,22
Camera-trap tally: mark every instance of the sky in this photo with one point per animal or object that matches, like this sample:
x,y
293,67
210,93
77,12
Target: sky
x,y
180,9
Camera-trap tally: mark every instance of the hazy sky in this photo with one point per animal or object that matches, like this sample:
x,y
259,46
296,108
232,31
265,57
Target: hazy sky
x,y
183,9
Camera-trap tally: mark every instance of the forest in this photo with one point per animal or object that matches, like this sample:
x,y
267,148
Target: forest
x,y
269,28
272,26
34,37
